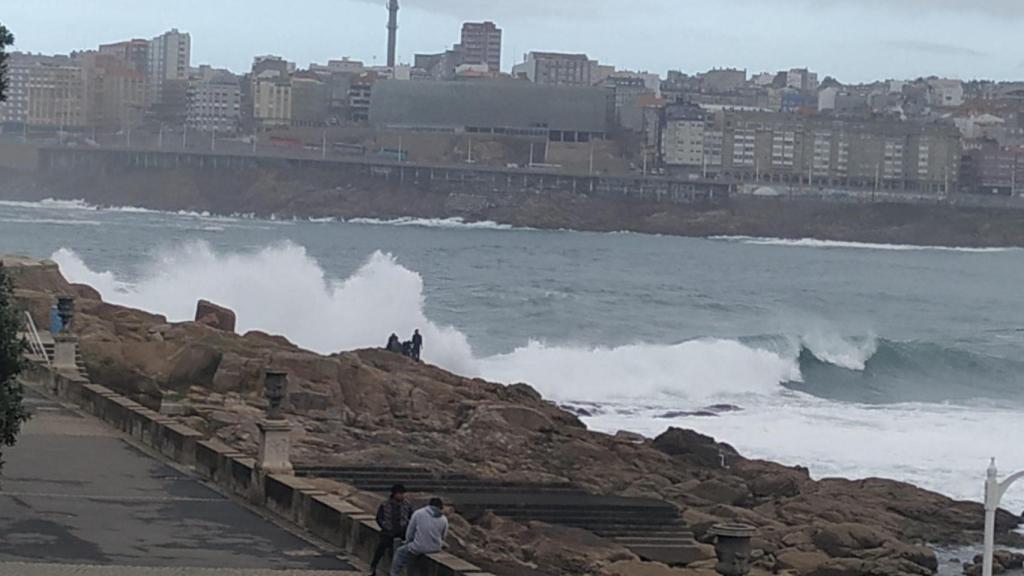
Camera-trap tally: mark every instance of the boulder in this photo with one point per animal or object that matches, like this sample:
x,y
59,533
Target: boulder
x,y
802,562
842,540
695,447
215,316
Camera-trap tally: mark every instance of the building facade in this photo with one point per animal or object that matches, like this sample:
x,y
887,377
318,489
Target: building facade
x,y
683,135
215,103
310,100
134,52
558,113
272,100
481,44
15,109
54,94
559,69
723,80
114,91
169,60
813,150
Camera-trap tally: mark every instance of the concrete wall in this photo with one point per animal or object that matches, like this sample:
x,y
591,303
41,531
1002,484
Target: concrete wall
x,y
292,499
17,156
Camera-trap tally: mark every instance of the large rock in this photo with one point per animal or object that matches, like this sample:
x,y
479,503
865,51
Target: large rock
x,y
215,316
695,447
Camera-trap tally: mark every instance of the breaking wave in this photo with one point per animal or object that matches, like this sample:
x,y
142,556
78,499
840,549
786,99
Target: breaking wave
x,y
435,223
838,244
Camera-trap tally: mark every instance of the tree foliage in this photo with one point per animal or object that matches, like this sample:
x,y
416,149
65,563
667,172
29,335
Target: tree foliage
x,y
6,39
12,409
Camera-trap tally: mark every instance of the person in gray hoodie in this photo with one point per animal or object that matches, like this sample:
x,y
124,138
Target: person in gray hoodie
x,y
426,533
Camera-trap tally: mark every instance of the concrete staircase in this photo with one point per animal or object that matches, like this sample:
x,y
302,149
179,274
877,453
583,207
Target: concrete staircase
x,y
651,528
48,346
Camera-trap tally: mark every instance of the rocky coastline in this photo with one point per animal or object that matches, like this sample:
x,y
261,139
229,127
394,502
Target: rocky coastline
x,y
289,193
373,407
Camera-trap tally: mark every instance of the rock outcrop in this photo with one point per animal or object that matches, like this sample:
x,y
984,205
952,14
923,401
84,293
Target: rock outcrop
x,y
373,407
215,316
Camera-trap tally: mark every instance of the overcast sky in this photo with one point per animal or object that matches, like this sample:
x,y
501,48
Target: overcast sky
x,y
854,40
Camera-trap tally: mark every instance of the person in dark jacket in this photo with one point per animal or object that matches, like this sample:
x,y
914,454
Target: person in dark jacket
x,y
393,519
394,345
417,345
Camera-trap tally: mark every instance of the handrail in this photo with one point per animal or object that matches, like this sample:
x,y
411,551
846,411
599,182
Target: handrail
x,y
35,342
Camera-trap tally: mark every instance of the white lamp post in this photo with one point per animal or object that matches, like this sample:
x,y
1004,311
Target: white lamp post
x,y
994,491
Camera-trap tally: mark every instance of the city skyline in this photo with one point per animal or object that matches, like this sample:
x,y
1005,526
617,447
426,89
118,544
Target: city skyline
x,y
853,41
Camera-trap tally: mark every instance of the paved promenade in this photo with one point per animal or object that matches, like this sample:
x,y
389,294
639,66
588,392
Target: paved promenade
x,y
77,499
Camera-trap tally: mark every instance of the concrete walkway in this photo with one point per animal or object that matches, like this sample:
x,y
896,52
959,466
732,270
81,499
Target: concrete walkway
x,y
77,499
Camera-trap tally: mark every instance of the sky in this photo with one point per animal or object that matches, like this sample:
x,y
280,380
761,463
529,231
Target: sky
x,y
852,40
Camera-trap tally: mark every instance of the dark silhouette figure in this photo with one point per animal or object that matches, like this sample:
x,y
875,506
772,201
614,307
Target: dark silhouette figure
x,y
394,345
393,519
407,349
417,345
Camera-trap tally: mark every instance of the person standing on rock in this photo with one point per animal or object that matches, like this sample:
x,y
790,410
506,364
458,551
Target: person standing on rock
x,y
417,345
394,345
426,533
393,519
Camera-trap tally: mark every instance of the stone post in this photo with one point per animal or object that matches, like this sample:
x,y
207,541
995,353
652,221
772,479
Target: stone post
x,y
65,353
275,444
732,546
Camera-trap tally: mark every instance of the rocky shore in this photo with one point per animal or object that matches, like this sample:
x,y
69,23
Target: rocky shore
x,y
373,407
289,193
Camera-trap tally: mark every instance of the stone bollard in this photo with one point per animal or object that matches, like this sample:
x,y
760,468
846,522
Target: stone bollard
x,y
65,353
732,546
274,457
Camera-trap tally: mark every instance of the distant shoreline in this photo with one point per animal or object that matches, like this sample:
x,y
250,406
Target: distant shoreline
x,y
308,195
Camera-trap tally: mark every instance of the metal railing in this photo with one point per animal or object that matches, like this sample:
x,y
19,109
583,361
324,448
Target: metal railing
x,y
35,342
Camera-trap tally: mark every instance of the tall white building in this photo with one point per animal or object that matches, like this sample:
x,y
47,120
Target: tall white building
x,y
170,57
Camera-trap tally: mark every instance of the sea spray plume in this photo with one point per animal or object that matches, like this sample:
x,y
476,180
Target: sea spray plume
x,y
282,290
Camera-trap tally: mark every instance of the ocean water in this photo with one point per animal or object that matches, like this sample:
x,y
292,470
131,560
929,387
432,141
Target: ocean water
x,y
854,360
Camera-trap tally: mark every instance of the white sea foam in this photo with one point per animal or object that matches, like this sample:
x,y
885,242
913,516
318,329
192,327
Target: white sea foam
x,y
838,244
699,370
281,289
845,352
51,221
942,448
49,203
434,223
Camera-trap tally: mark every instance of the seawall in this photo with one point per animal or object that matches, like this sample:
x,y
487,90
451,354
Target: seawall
x,y
307,187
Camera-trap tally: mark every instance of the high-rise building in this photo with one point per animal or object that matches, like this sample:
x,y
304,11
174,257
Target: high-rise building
x,y
170,56
481,44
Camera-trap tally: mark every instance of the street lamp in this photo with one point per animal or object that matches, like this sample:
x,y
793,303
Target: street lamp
x,y
994,491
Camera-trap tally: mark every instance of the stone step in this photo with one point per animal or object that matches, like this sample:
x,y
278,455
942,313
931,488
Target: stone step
x,y
672,555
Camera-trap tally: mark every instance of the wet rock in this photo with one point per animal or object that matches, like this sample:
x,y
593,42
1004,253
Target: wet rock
x,y
694,447
630,437
215,316
800,561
